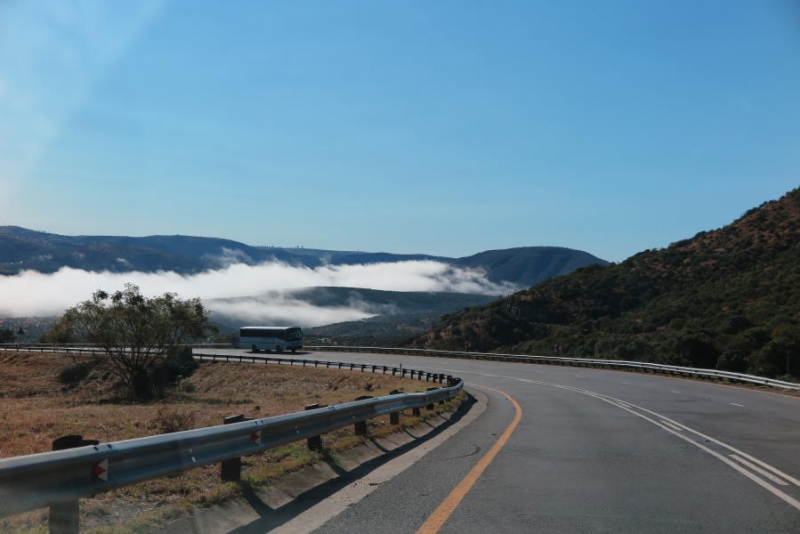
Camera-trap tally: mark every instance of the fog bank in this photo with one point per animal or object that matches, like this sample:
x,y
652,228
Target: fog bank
x,y
35,294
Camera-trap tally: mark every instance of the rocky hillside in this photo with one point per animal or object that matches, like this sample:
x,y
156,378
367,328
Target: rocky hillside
x,y
728,298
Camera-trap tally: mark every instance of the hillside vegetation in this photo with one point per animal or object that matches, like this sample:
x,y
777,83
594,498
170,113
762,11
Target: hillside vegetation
x,y
728,298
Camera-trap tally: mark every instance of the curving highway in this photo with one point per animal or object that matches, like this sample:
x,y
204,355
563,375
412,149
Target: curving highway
x,y
563,449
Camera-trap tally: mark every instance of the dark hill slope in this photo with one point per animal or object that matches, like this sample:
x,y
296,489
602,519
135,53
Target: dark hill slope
x,y
728,298
527,266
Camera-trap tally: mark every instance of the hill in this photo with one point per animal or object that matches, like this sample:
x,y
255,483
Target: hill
x,y
728,298
527,266
22,249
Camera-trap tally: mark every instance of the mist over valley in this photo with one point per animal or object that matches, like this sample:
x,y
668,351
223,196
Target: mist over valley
x,y
44,274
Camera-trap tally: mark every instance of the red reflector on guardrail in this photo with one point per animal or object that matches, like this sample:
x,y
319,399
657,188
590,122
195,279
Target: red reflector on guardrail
x,y
101,471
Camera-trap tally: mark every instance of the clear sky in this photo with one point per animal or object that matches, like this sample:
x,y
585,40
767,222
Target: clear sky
x,y
446,127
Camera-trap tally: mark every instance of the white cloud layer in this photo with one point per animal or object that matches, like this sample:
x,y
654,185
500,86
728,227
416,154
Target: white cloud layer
x,y
284,310
35,294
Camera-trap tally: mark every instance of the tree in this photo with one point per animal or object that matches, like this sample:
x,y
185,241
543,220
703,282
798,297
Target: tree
x,y
137,333
7,335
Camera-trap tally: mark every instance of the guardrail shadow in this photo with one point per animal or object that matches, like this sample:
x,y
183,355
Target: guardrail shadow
x,y
271,518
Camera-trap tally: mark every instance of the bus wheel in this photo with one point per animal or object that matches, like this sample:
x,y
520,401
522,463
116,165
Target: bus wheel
x,y
294,350
254,348
279,348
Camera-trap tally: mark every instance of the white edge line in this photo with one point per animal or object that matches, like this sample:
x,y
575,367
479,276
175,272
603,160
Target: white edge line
x,y
761,482
762,472
732,449
764,484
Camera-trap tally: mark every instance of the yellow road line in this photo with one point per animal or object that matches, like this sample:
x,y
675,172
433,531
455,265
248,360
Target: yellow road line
x,y
448,506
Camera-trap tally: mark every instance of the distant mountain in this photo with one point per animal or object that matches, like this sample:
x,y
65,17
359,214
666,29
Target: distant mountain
x,y
22,249
728,298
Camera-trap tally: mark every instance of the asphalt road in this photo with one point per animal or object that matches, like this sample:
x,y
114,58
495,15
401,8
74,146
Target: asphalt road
x,y
594,451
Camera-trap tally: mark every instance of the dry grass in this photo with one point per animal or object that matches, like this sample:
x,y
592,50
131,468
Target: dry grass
x,y
38,407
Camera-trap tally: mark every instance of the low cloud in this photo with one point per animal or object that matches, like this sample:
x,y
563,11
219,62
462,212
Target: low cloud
x,y
229,257
261,293
283,309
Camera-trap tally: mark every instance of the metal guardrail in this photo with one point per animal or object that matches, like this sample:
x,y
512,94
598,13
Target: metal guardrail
x,y
581,362
363,367
54,478
517,358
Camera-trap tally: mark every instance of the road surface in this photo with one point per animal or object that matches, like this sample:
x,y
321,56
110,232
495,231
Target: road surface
x,y
565,449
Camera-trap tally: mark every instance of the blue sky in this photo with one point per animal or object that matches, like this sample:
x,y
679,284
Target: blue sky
x,y
445,128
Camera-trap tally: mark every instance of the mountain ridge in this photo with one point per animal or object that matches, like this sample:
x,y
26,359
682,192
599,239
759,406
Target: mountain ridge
x,y
22,249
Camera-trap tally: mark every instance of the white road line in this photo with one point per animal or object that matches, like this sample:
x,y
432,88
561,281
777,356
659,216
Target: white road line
x,y
788,499
730,448
760,471
675,428
734,404
761,482
675,392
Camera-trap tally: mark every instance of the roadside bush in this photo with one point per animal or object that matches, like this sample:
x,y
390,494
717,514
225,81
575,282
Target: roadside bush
x,y
73,374
169,419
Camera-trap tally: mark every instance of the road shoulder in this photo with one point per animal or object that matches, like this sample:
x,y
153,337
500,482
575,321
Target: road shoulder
x,y
306,499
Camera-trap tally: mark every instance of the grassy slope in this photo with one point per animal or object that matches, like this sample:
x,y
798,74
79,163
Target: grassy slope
x,y
728,298
39,405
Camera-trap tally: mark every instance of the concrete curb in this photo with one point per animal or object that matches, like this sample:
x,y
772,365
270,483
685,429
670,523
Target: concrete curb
x,y
305,499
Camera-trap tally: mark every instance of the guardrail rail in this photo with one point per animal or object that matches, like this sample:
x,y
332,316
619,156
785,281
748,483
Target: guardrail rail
x,y
492,356
557,360
59,479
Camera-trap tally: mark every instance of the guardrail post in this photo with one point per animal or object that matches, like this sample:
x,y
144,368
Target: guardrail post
x,y
430,406
394,417
314,443
64,518
360,427
231,470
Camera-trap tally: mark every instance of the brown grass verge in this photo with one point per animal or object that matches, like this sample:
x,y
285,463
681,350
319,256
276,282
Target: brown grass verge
x,y
46,396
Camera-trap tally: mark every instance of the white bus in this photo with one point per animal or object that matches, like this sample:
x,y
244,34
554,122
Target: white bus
x,y
277,338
